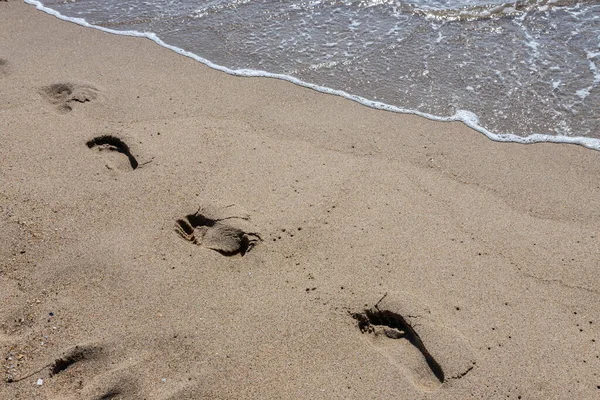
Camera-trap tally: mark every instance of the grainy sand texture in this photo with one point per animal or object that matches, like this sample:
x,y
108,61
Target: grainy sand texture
x,y
171,232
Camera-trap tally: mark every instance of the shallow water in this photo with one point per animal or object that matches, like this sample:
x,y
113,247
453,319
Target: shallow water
x,y
506,68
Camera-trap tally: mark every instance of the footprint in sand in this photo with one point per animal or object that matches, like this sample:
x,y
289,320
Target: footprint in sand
x,y
68,360
219,229
398,341
4,67
113,144
87,372
65,95
74,356
429,364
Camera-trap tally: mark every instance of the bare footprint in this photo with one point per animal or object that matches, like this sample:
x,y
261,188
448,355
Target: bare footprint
x,y
65,95
429,353
401,344
114,144
218,229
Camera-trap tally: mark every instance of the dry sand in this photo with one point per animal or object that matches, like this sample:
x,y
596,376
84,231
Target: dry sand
x,y
481,257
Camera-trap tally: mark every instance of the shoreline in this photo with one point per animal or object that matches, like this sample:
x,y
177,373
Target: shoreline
x,y
465,116
301,211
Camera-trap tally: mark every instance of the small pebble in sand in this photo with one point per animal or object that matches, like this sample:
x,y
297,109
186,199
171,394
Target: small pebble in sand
x,y
40,382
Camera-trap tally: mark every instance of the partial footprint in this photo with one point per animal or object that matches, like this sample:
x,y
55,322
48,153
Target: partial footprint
x,y
430,353
65,95
114,389
3,67
73,356
219,229
114,144
69,359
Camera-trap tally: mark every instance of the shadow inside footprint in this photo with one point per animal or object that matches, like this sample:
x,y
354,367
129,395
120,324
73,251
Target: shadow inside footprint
x,y
112,143
213,233
394,326
109,388
72,356
63,95
110,395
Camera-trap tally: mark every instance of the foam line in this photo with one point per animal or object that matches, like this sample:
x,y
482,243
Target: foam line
x,y
467,117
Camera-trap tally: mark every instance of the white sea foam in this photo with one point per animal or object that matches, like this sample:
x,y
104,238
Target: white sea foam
x,y
467,117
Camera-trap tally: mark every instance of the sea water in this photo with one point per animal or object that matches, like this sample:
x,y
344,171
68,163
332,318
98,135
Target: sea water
x,y
524,71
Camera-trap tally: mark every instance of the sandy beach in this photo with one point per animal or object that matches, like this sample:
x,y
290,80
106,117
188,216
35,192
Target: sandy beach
x,y
168,231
